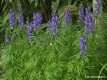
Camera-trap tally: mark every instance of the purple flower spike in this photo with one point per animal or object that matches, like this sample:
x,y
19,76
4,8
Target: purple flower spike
x,y
53,23
81,13
89,23
87,11
11,16
37,19
82,45
67,16
20,22
29,30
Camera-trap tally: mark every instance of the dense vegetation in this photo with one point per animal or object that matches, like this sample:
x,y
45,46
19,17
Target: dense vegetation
x,y
53,40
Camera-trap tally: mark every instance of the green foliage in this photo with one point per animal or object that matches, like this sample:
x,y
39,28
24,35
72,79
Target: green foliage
x,y
46,57
0,24
1,30
31,5
49,57
55,58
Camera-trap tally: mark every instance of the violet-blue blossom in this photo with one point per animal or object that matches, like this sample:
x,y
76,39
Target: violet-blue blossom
x,y
89,23
82,45
37,19
81,13
11,16
67,16
29,30
87,11
20,21
53,23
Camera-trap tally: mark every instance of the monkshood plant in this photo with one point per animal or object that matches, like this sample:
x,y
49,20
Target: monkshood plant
x,y
53,24
26,61
37,19
29,29
83,45
67,16
20,21
11,16
68,56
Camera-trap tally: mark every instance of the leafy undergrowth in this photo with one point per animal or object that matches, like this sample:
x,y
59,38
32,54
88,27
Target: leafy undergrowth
x,y
55,58
97,51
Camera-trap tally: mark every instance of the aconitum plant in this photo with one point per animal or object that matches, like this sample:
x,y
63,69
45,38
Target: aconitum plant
x,y
67,16
11,16
53,23
37,19
89,23
81,13
87,11
82,45
20,21
29,30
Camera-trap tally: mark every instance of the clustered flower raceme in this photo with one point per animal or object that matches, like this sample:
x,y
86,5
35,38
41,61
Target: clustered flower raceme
x,y
37,19
81,13
89,23
29,29
20,21
82,45
67,16
85,15
53,23
11,16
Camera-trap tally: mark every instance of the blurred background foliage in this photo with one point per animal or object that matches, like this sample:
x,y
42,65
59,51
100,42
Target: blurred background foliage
x,y
30,5
27,7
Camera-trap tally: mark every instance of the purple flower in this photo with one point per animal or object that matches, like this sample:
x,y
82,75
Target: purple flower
x,y
82,45
11,16
89,23
81,13
53,23
37,19
67,16
20,21
87,11
29,30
